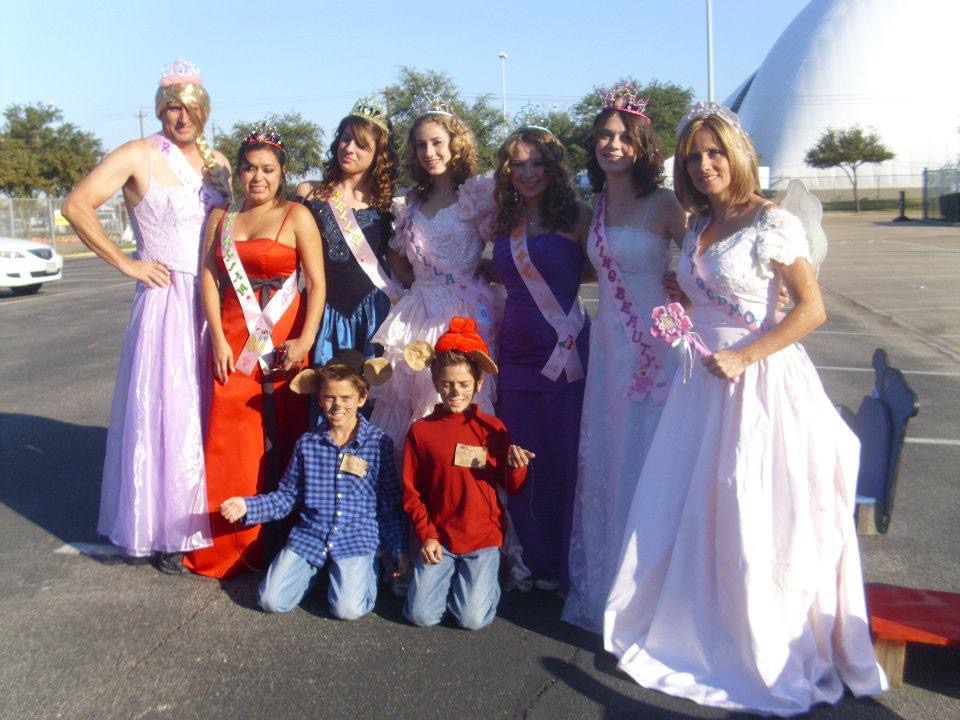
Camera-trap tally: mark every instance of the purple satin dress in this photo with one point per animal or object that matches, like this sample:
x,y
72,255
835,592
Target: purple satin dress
x,y
153,496
542,415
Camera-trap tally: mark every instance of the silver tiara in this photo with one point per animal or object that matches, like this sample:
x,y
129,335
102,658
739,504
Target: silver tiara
x,y
702,109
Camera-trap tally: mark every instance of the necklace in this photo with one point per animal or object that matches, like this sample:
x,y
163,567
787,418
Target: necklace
x,y
534,221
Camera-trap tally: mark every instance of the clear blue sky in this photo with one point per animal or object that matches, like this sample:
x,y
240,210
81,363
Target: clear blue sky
x,y
99,62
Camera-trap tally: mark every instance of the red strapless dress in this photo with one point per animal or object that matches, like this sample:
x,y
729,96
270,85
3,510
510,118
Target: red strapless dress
x,y
235,448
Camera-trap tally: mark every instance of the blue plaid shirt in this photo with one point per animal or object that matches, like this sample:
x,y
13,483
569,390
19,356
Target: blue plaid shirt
x,y
341,515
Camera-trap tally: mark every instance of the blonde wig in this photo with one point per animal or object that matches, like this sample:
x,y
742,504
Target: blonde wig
x,y
744,170
197,102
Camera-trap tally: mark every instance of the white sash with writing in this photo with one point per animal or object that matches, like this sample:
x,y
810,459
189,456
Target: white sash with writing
x,y
648,377
361,250
566,325
260,322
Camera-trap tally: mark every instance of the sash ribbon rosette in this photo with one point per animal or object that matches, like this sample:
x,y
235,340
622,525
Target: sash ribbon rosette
x,y
672,325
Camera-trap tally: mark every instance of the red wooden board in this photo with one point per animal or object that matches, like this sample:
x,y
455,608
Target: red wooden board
x,y
912,615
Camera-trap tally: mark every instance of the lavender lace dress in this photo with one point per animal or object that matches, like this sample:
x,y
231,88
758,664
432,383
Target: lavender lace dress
x,y
153,496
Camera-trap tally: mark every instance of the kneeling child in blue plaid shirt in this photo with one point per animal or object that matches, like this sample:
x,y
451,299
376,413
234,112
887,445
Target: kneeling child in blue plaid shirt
x,y
343,481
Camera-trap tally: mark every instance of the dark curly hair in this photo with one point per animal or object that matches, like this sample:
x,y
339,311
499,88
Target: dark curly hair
x,y
558,206
383,170
647,173
463,152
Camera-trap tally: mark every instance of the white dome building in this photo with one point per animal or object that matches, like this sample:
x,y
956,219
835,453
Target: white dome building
x,y
886,65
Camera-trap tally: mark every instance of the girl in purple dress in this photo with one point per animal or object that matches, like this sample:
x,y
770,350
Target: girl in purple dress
x,y
539,257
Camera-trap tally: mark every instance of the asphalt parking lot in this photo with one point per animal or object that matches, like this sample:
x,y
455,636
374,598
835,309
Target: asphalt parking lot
x,y
86,635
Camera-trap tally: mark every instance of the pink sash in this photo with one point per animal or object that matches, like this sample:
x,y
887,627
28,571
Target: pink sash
x,y
648,377
463,288
259,346
361,250
566,325
733,303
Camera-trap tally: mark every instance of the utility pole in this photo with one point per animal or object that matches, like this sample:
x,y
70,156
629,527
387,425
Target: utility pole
x,y
503,83
141,115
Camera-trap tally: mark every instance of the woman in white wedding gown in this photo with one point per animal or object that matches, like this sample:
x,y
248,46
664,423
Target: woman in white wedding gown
x,y
739,582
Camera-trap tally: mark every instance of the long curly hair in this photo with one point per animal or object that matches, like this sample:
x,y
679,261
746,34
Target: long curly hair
x,y
383,170
558,206
197,102
647,174
463,152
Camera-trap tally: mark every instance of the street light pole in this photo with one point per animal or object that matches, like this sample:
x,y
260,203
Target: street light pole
x,y
710,50
503,83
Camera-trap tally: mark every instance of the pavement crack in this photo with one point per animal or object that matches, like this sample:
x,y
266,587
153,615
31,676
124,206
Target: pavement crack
x,y
549,683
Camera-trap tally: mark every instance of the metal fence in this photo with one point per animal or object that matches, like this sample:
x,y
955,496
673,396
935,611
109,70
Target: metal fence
x,y
40,219
941,193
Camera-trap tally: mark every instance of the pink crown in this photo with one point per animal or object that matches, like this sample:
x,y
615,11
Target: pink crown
x,y
263,133
180,72
624,97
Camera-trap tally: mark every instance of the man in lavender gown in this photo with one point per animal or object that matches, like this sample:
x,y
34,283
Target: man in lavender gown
x,y
153,496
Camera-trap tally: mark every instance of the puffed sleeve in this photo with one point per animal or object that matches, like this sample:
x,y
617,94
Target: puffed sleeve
x,y
781,238
399,211
477,204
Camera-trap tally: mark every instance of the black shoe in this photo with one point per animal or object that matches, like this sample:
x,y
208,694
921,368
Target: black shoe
x,y
170,563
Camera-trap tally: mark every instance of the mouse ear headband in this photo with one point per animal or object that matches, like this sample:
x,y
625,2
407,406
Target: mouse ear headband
x,y
376,371
462,336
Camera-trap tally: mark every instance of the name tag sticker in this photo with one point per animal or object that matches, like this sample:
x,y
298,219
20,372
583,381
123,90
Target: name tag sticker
x,y
470,456
354,465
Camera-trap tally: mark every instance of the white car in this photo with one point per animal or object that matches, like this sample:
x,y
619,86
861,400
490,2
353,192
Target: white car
x,y
26,265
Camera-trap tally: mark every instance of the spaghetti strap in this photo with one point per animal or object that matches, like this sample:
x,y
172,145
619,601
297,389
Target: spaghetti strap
x,y
285,216
643,222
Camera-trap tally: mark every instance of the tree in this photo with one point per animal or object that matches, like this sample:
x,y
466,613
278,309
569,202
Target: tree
x,y
303,140
848,149
482,117
667,104
39,153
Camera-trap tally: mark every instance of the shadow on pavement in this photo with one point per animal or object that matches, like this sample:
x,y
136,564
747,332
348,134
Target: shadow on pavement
x,y
933,668
51,474
539,612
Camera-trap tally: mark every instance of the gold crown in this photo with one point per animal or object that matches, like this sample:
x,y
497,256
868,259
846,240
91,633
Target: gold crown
x,y
370,109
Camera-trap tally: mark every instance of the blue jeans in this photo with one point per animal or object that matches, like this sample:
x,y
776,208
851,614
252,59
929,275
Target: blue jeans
x,y
466,585
353,584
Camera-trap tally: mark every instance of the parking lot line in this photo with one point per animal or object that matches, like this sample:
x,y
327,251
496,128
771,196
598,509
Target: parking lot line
x,y
90,549
934,373
931,441
38,298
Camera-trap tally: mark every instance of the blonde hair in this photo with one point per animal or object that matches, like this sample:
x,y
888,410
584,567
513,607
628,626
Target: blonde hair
x,y
463,152
197,102
744,170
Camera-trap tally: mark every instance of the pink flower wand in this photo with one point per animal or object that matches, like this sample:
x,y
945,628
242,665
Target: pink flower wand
x,y
672,325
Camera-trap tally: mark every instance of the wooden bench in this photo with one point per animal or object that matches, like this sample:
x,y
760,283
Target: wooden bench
x,y
900,615
881,425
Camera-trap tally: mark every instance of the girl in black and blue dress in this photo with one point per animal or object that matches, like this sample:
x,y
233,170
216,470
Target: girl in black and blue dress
x,y
354,195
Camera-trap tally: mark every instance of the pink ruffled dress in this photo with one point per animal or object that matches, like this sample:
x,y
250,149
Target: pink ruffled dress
x,y
445,253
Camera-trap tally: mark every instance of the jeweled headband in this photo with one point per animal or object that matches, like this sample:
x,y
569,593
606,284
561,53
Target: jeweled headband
x,y
180,72
369,109
702,109
533,117
624,97
263,133
431,104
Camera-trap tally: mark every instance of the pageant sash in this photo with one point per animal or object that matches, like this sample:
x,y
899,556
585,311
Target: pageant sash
x,y
648,377
361,250
567,326
725,299
464,288
175,160
260,322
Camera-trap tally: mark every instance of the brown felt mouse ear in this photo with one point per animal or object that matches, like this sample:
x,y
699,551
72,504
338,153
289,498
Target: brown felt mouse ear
x,y
418,355
484,361
377,371
305,382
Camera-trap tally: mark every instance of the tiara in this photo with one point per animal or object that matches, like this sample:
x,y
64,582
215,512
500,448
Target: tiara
x,y
624,97
180,72
533,117
702,109
263,133
370,109
431,104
